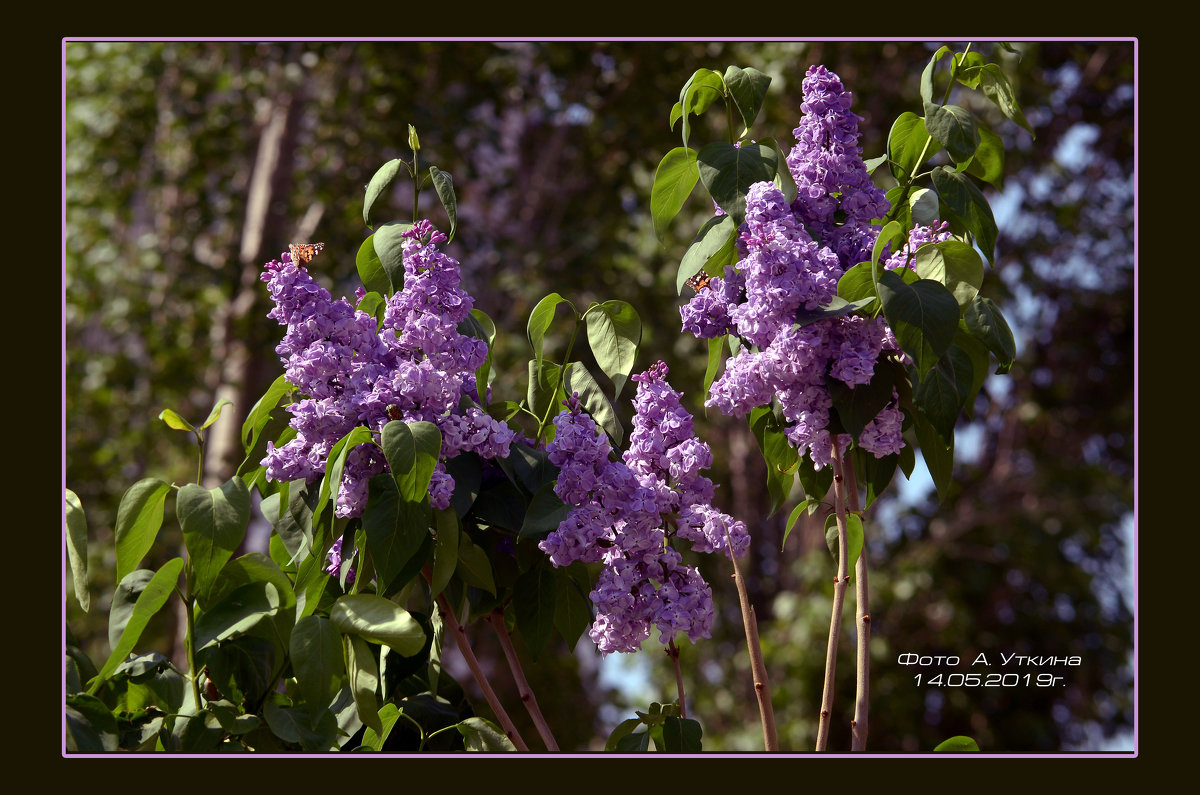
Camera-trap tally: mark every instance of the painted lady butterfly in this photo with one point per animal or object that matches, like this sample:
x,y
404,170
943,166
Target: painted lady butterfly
x,y
302,253
699,281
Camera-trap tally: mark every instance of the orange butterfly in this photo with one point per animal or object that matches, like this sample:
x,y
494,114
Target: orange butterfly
x,y
699,281
302,253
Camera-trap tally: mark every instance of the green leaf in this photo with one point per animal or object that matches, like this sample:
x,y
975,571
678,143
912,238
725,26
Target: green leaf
x,y
214,523
544,393
89,726
539,322
255,567
635,743
954,264
478,325
986,323
443,183
716,355
810,505
533,604
388,244
293,524
682,736
481,735
544,514
728,171
713,247
697,95
938,455
474,568
957,745
614,332
780,457
923,207
315,731
316,652
77,549
395,527
959,197
124,599
216,412
955,128
923,316
927,75
378,620
260,414
237,614
892,235
412,451
623,730
977,352
139,518
783,176
445,551
149,602
988,163
748,88
907,140
674,180
858,405
335,463
901,212
388,715
379,182
594,400
995,86
854,539
572,608
173,420
363,673
370,269
962,68
943,391
836,307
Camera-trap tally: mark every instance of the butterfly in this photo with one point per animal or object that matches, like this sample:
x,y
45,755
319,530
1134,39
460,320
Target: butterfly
x,y
302,253
393,412
699,281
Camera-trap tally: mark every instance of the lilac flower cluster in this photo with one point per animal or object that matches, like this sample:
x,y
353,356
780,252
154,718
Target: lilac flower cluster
x,y
791,257
624,513
415,366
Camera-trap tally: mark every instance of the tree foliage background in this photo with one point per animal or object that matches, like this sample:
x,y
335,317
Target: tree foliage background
x,y
190,164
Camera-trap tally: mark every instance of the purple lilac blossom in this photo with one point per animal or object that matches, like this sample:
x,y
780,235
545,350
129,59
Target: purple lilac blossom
x,y
625,512
349,372
791,257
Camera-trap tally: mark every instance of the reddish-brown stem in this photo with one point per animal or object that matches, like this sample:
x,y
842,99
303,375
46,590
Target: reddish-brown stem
x,y
862,691
460,636
523,688
762,689
673,653
839,596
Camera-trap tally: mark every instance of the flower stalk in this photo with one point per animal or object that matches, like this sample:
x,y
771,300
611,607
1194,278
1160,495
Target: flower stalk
x,y
862,689
762,688
839,596
481,679
526,692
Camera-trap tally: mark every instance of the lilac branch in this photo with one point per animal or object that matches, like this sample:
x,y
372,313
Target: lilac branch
x,y
526,693
839,596
460,636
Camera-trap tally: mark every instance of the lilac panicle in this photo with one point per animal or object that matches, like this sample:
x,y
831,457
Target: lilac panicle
x,y
624,513
349,372
791,258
